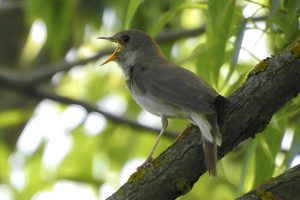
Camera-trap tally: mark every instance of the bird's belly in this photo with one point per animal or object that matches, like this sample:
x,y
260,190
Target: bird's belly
x,y
158,107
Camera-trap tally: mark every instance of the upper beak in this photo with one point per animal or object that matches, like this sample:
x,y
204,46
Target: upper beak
x,y
113,56
112,39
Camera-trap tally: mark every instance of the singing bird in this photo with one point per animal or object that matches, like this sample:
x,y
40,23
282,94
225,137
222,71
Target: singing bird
x,y
167,90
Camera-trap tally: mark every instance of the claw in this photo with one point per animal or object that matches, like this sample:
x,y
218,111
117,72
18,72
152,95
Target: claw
x,y
147,162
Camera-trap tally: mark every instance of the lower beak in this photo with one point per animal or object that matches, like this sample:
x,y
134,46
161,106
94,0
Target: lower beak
x,y
113,56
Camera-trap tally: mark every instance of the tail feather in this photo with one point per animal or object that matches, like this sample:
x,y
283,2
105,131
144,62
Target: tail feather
x,y
211,139
210,155
204,126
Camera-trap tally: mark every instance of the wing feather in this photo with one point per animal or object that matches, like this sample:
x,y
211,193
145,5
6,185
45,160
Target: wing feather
x,y
176,86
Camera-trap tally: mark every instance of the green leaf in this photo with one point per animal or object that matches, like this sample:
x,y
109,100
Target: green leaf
x,y
132,7
13,117
236,50
269,143
167,16
233,87
219,19
201,52
246,177
4,165
77,165
292,20
288,24
274,7
35,175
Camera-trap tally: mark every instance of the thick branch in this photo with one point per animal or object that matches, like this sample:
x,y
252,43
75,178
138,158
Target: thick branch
x,y
272,83
283,187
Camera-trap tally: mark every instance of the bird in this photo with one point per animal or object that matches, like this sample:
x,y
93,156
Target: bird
x,y
167,90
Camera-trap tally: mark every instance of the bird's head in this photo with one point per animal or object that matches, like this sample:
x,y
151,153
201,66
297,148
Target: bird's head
x,y
133,45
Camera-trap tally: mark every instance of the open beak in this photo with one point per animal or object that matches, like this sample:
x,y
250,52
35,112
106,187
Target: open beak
x,y
113,56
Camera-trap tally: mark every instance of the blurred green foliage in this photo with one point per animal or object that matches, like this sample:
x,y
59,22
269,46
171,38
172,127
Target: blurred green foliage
x,y
97,159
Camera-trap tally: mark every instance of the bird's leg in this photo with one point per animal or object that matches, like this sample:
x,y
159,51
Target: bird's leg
x,y
164,122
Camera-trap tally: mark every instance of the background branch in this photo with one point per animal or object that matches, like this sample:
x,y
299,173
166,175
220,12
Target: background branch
x,y
8,81
90,108
271,84
43,74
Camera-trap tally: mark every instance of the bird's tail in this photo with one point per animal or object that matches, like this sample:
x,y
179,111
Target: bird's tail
x,y
211,139
210,151
210,155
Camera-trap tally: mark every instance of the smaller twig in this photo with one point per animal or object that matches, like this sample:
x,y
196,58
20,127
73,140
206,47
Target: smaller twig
x,y
90,108
11,5
7,80
43,74
169,36
247,51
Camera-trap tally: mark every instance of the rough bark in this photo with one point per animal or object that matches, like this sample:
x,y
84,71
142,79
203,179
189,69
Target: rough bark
x,y
269,86
283,187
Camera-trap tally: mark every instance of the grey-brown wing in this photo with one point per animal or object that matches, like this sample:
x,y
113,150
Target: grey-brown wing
x,y
176,86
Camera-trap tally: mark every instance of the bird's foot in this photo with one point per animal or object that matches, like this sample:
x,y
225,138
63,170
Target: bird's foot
x,y
148,161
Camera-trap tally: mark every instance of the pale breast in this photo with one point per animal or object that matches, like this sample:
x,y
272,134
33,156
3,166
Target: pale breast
x,y
145,100
156,106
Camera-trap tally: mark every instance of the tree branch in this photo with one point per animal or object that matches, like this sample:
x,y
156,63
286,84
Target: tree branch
x,y
270,85
283,187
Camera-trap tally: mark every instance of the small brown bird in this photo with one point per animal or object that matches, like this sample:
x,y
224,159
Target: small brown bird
x,y
167,90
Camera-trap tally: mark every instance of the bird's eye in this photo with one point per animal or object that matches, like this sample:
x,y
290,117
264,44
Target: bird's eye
x,y
126,38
